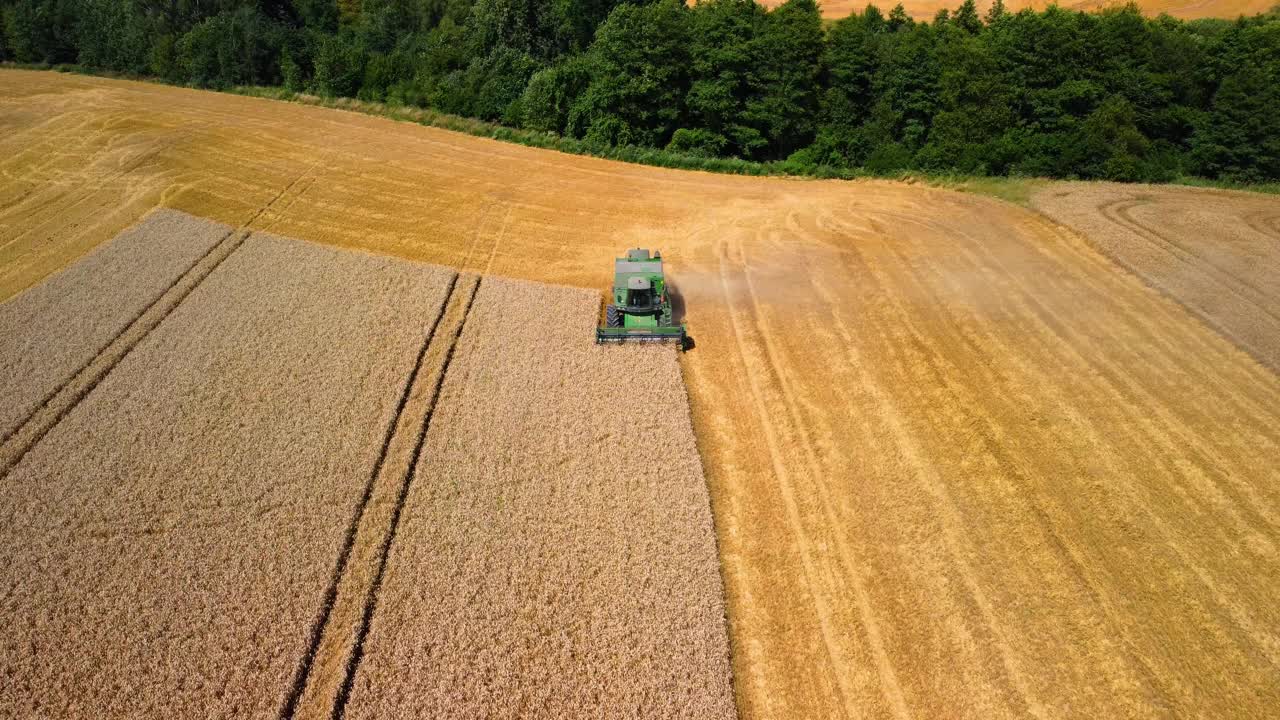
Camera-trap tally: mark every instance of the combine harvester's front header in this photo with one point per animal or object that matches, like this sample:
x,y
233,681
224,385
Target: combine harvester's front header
x,y
640,310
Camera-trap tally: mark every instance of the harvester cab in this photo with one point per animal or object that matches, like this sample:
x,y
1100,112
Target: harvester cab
x,y
639,309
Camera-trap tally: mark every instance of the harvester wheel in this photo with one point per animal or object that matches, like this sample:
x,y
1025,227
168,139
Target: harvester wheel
x,y
612,318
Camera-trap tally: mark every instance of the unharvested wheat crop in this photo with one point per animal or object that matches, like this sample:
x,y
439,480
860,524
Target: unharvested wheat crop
x,y
556,556
50,331
169,543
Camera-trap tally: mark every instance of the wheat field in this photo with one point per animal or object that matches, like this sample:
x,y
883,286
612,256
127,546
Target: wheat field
x,y
961,462
56,328
926,9
1214,252
169,542
556,556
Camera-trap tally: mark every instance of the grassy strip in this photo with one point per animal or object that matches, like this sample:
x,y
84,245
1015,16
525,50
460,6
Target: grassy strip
x,y
1017,190
552,141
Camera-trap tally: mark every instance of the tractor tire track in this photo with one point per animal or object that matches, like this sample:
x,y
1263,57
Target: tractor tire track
x,y
1121,213
70,393
64,399
319,676
330,698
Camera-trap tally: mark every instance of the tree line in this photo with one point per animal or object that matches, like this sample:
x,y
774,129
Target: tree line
x,y
1056,93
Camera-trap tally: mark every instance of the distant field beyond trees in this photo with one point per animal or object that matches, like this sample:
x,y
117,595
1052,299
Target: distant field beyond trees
x,y
1055,93
1185,9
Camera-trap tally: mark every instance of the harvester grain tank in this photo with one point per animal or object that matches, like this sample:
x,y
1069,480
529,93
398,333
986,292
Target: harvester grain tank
x,y
640,307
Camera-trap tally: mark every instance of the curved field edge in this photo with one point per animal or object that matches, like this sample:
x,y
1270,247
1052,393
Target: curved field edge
x,y
1215,253
1014,189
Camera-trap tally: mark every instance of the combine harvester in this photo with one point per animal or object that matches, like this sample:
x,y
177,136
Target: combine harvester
x,y
641,308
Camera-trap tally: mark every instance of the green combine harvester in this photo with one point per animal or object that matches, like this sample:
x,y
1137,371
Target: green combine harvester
x,y
640,310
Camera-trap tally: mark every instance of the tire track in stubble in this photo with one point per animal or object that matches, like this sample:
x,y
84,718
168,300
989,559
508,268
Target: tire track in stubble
x,y
1015,678
1244,622
71,392
888,678
970,405
1124,212
1264,223
302,672
821,608
1177,363
1120,213
406,484
81,197
1137,320
1126,390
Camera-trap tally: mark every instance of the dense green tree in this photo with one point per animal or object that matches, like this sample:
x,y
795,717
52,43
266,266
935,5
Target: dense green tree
x,y
995,13
551,93
112,34
899,20
577,20
318,15
42,31
1109,94
725,51
1239,137
852,61
1108,145
786,83
349,11
526,26
493,84
975,108
905,87
639,69
234,47
339,65
966,18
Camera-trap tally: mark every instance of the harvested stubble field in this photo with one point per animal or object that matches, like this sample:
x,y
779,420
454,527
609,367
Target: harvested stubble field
x,y
56,328
169,542
926,9
555,555
1217,253
961,463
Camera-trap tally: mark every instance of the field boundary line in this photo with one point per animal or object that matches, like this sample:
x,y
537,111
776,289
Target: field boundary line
x,y
371,600
150,303
302,672
1265,365
50,412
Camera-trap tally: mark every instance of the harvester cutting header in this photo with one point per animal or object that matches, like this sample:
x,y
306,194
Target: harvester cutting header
x,y
640,310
